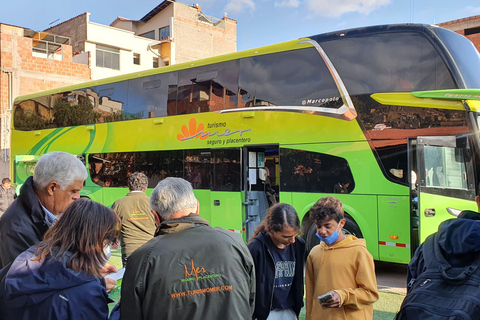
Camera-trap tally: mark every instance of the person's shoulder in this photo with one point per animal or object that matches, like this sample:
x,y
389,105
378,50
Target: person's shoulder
x,y
228,234
300,242
15,217
316,250
256,244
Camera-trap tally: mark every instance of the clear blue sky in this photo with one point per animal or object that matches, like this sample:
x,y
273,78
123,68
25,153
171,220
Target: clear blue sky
x,y
260,22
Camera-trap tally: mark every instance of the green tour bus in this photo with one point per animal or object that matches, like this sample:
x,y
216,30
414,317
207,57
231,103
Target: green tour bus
x,y
385,118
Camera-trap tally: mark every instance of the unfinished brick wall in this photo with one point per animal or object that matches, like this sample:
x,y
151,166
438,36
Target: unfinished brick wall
x,y
197,40
33,74
21,73
75,29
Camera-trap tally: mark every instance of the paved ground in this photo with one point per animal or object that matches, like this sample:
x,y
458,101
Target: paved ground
x,y
391,277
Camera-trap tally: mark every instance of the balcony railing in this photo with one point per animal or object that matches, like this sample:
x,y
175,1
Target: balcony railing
x,y
215,22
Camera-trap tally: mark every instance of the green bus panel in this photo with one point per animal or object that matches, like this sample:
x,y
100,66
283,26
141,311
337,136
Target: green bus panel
x,y
226,210
429,224
203,197
394,228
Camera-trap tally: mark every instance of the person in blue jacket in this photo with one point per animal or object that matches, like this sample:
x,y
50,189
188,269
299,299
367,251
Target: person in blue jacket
x,y
459,240
61,278
279,256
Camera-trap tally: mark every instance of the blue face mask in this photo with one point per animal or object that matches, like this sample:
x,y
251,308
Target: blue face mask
x,y
330,239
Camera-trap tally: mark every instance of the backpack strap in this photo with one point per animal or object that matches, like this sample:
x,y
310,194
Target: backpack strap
x,y
430,254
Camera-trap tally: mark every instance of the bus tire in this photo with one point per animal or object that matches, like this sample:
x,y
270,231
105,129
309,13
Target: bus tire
x,y
350,227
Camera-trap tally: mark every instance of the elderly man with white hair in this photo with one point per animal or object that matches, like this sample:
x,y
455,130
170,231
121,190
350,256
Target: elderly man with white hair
x,y
189,270
57,180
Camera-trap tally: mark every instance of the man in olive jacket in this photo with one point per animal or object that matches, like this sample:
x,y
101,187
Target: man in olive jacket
x,y
189,270
138,223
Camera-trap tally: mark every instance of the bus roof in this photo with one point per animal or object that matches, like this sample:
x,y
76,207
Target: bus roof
x,y
280,47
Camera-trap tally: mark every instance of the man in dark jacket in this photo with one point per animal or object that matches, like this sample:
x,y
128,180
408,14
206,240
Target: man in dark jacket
x,y
56,182
189,270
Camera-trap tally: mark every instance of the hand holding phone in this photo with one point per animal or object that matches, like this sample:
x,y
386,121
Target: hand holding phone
x,y
324,297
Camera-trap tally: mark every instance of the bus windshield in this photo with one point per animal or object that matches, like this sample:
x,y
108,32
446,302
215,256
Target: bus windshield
x,y
464,54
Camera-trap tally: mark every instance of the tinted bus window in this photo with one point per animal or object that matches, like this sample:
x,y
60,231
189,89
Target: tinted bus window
x,y
111,102
208,88
148,97
305,171
293,78
226,170
198,168
402,62
388,127
465,55
58,110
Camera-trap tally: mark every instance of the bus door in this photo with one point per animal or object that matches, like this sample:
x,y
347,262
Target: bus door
x,y
445,181
261,181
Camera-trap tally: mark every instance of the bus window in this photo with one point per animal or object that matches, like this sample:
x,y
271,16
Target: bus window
x,y
378,63
388,128
111,102
148,97
226,170
305,171
445,168
158,165
198,168
294,78
209,88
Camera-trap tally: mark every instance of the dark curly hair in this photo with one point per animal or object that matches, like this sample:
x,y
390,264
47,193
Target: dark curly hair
x,y
137,182
325,209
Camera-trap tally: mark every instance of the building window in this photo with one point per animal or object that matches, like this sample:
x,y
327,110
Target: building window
x,y
471,31
164,32
108,57
155,62
136,58
149,34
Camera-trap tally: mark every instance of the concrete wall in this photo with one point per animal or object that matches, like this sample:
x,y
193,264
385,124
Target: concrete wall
x,y
127,42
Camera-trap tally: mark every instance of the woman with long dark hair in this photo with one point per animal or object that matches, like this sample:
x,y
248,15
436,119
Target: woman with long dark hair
x,y
61,277
279,255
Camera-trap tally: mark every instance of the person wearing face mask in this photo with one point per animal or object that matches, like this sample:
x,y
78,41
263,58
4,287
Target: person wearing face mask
x,y
62,277
341,266
278,255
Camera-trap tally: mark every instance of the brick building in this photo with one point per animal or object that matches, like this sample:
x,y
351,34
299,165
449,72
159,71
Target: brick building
x,y
468,27
183,32
171,33
31,62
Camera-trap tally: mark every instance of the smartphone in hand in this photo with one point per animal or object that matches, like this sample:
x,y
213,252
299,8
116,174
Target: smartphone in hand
x,y
324,297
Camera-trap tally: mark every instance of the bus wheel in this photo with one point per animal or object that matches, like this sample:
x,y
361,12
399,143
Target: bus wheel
x,y
350,227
